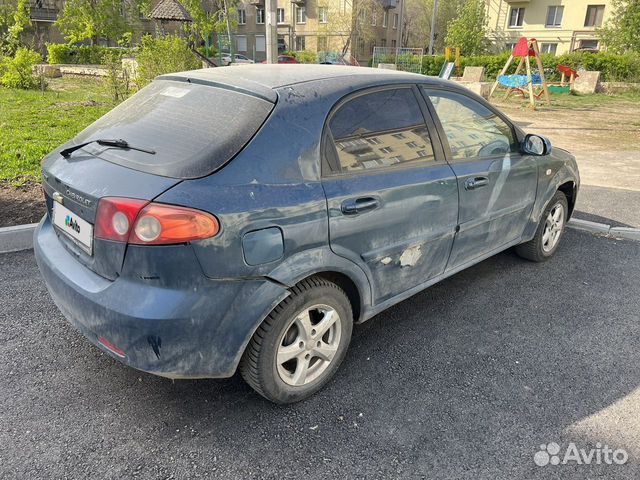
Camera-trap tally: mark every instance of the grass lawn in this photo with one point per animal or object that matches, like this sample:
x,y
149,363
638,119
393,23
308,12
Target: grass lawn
x,y
32,123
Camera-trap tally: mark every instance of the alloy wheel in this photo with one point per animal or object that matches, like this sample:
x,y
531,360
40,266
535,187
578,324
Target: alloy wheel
x,y
308,345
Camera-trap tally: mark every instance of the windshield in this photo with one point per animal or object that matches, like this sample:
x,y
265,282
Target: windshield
x,y
194,129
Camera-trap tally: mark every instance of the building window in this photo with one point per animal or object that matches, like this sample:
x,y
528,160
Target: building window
x,y
280,14
261,45
385,18
549,48
554,16
383,42
395,20
322,44
594,16
259,16
241,43
301,15
516,17
242,17
509,47
300,43
393,44
323,14
589,44
374,17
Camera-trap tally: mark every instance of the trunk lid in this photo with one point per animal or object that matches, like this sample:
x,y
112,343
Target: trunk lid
x,y
78,183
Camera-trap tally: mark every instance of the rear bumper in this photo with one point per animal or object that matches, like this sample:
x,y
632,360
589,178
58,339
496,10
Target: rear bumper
x,y
192,331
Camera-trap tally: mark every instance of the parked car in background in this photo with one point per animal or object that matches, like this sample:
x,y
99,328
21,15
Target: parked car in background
x,y
285,59
237,58
314,197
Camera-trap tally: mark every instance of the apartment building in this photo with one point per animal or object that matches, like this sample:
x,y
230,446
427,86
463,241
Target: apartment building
x,y
560,26
322,26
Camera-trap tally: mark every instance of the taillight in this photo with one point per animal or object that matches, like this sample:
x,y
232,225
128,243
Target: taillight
x,y
142,223
160,224
116,216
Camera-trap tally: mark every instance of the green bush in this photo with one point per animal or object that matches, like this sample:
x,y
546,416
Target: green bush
x,y
61,53
303,56
158,56
613,67
17,71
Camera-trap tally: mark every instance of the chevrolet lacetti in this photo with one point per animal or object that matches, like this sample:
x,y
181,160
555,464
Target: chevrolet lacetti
x,y
245,218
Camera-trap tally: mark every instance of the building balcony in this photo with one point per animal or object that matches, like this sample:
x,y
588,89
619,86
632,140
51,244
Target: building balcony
x,y
257,3
517,1
299,3
388,4
44,14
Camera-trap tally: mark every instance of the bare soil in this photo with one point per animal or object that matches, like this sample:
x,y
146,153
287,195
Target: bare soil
x,y
20,205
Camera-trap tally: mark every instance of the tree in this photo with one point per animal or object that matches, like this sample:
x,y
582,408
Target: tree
x,y
94,19
209,16
621,33
350,22
468,30
15,19
417,22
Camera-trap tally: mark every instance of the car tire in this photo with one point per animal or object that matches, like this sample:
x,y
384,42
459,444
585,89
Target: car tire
x,y
295,329
549,232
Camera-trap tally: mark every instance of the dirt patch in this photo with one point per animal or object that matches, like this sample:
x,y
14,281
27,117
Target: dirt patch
x,y
612,127
86,103
20,205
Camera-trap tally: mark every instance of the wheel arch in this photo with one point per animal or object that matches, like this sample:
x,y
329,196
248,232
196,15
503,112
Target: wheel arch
x,y
569,190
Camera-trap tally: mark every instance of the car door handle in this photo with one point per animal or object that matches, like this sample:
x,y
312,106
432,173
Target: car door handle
x,y
475,182
359,205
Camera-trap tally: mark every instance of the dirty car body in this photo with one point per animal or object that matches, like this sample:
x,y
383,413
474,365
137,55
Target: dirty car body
x,y
326,174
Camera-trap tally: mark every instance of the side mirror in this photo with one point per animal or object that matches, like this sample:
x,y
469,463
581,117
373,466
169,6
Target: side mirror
x,y
536,145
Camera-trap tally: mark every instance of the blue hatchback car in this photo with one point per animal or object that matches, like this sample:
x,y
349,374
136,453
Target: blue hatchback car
x,y
246,218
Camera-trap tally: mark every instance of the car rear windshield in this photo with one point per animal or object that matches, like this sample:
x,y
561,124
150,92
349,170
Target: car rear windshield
x,y
194,129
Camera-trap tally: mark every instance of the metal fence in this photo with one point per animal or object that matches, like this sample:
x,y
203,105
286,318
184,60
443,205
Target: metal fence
x,y
405,59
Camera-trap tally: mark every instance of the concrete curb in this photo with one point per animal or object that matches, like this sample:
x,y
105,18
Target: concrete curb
x,y
626,233
14,239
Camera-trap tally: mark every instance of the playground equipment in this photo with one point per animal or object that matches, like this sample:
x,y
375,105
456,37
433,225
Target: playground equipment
x,y
524,50
567,72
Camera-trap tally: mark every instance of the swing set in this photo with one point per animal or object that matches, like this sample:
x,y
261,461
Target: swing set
x,y
517,82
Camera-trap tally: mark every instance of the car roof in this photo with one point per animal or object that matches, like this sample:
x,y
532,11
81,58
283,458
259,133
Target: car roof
x,y
262,79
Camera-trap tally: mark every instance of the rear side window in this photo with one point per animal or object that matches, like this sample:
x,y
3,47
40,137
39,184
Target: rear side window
x,y
194,129
379,130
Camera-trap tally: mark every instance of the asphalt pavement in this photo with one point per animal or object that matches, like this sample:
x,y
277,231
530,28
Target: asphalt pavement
x,y
465,380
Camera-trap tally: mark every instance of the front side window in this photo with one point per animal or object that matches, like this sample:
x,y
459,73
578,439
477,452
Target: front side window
x,y
378,130
473,131
549,48
554,16
260,16
516,17
301,15
300,43
595,14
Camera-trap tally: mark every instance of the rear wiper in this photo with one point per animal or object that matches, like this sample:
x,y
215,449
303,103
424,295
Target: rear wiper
x,y
105,143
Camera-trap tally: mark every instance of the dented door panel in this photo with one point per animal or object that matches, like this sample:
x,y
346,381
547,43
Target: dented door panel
x,y
496,213
407,239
